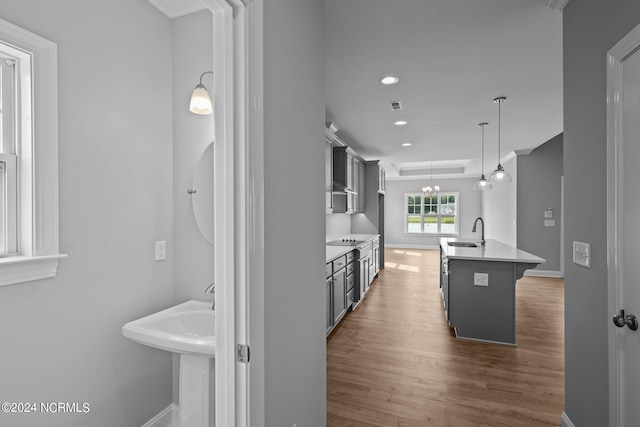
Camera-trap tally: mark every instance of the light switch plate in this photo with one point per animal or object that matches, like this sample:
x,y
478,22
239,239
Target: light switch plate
x,y
549,222
481,279
582,254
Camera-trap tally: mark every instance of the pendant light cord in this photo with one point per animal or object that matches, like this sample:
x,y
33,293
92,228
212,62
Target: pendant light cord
x,y
482,125
499,101
499,105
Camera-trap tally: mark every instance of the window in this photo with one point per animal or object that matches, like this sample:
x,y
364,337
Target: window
x,y
431,214
8,158
28,156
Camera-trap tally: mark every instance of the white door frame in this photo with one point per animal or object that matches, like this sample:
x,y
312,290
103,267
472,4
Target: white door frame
x,y
615,58
238,208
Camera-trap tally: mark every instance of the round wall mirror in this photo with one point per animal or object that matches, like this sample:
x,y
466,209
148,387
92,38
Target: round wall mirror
x,y
202,198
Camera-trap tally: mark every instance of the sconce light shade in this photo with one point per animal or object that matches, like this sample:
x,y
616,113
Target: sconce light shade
x,y
200,100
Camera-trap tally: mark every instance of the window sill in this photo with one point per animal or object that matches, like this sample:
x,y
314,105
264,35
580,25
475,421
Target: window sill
x,y
19,269
431,234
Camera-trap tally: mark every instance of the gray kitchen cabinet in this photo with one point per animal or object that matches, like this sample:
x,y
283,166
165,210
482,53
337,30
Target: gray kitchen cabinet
x,y
351,279
339,296
375,256
328,160
329,318
340,289
359,199
381,179
371,220
364,270
355,197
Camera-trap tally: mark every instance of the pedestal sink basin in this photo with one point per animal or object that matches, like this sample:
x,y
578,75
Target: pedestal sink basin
x,y
187,329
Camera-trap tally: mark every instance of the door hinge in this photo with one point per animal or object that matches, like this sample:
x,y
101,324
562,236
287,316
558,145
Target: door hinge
x,y
242,353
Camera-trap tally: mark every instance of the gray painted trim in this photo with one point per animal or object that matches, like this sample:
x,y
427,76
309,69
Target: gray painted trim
x,y
565,421
544,273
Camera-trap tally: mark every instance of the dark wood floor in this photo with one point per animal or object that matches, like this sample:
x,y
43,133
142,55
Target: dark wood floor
x,y
394,362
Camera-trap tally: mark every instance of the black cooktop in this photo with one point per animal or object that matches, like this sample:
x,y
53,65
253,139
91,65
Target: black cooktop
x,y
345,242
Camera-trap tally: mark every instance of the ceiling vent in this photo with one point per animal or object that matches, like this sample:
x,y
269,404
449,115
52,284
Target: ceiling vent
x,y
395,105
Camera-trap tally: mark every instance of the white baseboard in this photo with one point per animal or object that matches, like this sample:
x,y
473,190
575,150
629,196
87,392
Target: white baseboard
x,y
168,417
544,273
402,246
565,421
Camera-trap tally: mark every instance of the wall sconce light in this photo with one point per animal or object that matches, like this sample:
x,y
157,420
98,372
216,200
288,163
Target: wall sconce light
x,y
200,100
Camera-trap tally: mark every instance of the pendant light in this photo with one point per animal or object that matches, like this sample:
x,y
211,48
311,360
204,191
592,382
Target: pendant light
x,y
482,184
499,175
428,190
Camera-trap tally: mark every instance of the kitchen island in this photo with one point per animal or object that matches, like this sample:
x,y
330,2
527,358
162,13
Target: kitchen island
x,y
478,287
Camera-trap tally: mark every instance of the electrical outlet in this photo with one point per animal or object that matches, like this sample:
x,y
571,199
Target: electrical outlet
x,y
161,250
549,222
481,279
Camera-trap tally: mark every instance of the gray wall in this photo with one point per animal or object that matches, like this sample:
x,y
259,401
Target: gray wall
x,y
294,116
499,207
61,337
591,28
193,258
470,206
338,225
539,187
192,133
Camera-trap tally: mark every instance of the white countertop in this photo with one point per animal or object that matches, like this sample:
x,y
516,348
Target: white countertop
x,y
334,252
493,250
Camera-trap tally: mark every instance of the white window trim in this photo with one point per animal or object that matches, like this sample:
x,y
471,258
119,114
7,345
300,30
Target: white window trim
x,y
39,219
422,233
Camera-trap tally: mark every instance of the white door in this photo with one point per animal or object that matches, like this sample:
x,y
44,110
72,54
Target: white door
x,y
623,178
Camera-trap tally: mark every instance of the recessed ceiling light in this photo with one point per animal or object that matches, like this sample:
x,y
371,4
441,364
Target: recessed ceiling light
x,y
389,80
400,123
406,144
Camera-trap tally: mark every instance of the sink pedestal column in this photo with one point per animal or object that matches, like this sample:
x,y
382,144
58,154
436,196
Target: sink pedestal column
x,y
196,391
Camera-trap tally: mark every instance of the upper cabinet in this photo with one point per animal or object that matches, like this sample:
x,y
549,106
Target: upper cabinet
x,y
381,179
346,179
342,170
328,181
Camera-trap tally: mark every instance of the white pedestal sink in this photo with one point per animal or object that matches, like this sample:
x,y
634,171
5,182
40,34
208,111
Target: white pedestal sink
x,y
189,330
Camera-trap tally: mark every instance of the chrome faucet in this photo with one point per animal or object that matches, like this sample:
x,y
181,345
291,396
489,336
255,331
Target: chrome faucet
x,y
211,289
474,228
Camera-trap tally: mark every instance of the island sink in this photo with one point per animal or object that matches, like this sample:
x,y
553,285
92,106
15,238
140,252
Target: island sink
x,y
463,244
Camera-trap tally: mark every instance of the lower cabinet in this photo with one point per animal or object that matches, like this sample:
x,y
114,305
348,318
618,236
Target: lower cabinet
x,y
340,289
363,284
339,296
329,319
376,257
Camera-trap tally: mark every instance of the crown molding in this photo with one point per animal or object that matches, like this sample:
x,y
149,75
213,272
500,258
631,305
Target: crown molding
x,y
558,5
177,8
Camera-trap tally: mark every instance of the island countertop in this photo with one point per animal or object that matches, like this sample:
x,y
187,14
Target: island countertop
x,y
493,250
